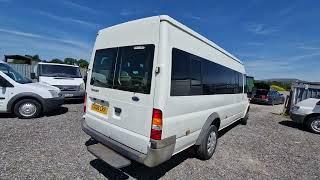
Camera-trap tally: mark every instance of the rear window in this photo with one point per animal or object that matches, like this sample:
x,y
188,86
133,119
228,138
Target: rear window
x,y
262,92
125,68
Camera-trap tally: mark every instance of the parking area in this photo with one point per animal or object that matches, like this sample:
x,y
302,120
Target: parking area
x,y
52,147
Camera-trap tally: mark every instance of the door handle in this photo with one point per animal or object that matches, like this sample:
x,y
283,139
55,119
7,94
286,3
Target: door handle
x,y
117,110
135,98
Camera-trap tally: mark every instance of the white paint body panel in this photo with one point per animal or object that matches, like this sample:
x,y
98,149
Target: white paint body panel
x,y
181,113
61,81
307,106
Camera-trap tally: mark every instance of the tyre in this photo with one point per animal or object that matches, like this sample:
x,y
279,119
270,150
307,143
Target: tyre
x,y
27,108
208,145
313,124
244,120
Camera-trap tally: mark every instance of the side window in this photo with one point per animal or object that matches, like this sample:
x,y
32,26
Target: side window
x,y
240,83
180,80
195,74
103,67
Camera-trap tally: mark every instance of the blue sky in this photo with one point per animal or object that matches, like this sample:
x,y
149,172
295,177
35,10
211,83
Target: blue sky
x,y
275,39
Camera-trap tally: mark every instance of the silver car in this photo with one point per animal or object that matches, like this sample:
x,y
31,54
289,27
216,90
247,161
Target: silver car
x,y
307,113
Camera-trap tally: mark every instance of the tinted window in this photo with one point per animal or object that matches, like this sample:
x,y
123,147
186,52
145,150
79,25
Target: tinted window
x,y
193,75
180,80
103,67
124,68
135,69
240,83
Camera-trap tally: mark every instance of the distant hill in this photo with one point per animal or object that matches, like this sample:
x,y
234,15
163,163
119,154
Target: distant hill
x,y
281,80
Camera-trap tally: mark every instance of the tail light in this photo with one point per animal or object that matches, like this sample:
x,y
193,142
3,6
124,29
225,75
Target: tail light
x,y
156,128
85,103
264,97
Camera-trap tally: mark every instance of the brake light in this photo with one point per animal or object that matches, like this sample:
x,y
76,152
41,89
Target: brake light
x,y
156,127
85,103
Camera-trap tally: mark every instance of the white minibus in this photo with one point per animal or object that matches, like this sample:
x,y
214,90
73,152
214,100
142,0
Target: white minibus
x,y
155,88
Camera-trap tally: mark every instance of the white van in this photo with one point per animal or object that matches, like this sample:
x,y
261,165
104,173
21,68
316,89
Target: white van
x,y
155,88
24,98
63,76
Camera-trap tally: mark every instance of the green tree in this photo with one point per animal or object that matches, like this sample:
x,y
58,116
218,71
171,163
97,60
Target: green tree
x,y
70,61
56,61
83,63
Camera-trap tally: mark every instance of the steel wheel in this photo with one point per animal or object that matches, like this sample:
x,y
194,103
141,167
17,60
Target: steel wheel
x,y
211,142
315,125
27,109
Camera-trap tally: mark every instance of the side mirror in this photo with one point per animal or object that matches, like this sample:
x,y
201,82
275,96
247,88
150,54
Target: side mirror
x,y
33,75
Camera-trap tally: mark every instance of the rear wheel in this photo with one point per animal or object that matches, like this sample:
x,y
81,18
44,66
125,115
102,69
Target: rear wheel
x,y
208,144
27,108
313,124
244,120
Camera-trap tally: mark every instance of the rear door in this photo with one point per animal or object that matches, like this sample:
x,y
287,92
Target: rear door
x,y
120,94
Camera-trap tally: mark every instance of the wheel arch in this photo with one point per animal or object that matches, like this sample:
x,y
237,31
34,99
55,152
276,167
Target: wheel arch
x,y
213,119
21,96
310,116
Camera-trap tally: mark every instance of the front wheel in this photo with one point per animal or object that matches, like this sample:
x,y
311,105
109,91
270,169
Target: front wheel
x,y
27,108
209,143
313,124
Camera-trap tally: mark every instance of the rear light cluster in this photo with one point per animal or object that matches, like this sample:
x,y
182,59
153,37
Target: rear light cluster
x,y
156,128
85,103
264,97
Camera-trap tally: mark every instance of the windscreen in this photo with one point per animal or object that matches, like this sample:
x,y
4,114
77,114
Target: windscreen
x,y
125,68
59,71
14,75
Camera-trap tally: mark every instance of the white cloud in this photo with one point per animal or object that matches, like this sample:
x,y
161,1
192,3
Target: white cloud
x,y
16,44
36,36
127,12
255,44
260,29
81,7
68,19
285,67
309,47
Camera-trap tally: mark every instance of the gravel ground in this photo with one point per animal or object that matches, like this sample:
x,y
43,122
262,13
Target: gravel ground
x,y
52,147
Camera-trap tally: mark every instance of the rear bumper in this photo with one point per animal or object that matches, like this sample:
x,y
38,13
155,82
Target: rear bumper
x,y
158,152
260,101
52,104
298,118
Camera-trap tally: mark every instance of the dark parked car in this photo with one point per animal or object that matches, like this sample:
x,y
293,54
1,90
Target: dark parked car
x,y
265,96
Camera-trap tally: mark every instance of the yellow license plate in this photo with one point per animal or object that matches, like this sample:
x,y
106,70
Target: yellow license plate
x,y
99,108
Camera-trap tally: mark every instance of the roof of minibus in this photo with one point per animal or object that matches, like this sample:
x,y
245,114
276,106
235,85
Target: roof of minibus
x,y
196,35
56,64
189,31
